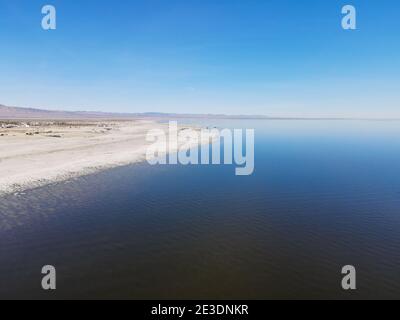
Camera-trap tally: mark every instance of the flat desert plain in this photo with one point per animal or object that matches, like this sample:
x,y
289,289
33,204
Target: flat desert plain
x,y
34,153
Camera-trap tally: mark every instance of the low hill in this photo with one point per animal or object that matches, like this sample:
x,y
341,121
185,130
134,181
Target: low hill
x,y
7,112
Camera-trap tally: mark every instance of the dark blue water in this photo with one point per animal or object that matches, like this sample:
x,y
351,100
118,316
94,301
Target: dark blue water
x,y
324,194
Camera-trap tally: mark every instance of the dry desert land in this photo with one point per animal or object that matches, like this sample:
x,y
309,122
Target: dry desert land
x,y
34,153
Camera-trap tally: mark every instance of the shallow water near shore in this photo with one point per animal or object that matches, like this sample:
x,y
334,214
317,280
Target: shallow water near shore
x,y
324,194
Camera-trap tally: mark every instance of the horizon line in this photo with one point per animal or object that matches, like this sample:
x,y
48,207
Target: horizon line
x,y
155,114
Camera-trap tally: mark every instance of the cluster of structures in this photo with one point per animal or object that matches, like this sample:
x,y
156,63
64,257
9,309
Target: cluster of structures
x,y
12,125
7,127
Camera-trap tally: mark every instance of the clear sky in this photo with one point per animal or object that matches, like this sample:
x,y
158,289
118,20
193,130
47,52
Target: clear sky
x,y
271,57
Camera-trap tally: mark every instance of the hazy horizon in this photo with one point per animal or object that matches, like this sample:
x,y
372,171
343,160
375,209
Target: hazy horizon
x,y
204,115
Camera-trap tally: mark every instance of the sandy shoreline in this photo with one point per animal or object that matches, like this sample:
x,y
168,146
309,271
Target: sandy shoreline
x,y
37,153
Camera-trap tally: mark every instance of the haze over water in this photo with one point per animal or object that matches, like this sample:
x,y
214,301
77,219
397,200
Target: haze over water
x,y
324,194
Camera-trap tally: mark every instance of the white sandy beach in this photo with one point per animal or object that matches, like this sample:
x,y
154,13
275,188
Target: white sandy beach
x,y
47,152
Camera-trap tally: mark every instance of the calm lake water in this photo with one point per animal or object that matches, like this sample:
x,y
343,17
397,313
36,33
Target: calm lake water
x,y
324,194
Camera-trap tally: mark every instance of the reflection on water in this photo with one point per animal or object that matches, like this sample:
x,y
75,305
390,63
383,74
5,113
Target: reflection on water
x,y
323,195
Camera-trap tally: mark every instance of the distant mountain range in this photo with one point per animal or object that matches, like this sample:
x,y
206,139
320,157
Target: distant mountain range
x,y
19,113
7,112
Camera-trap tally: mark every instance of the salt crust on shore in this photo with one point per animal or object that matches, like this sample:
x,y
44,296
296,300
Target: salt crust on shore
x,y
33,156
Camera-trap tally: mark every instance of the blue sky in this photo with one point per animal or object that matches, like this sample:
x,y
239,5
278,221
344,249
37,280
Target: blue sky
x,y
272,57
